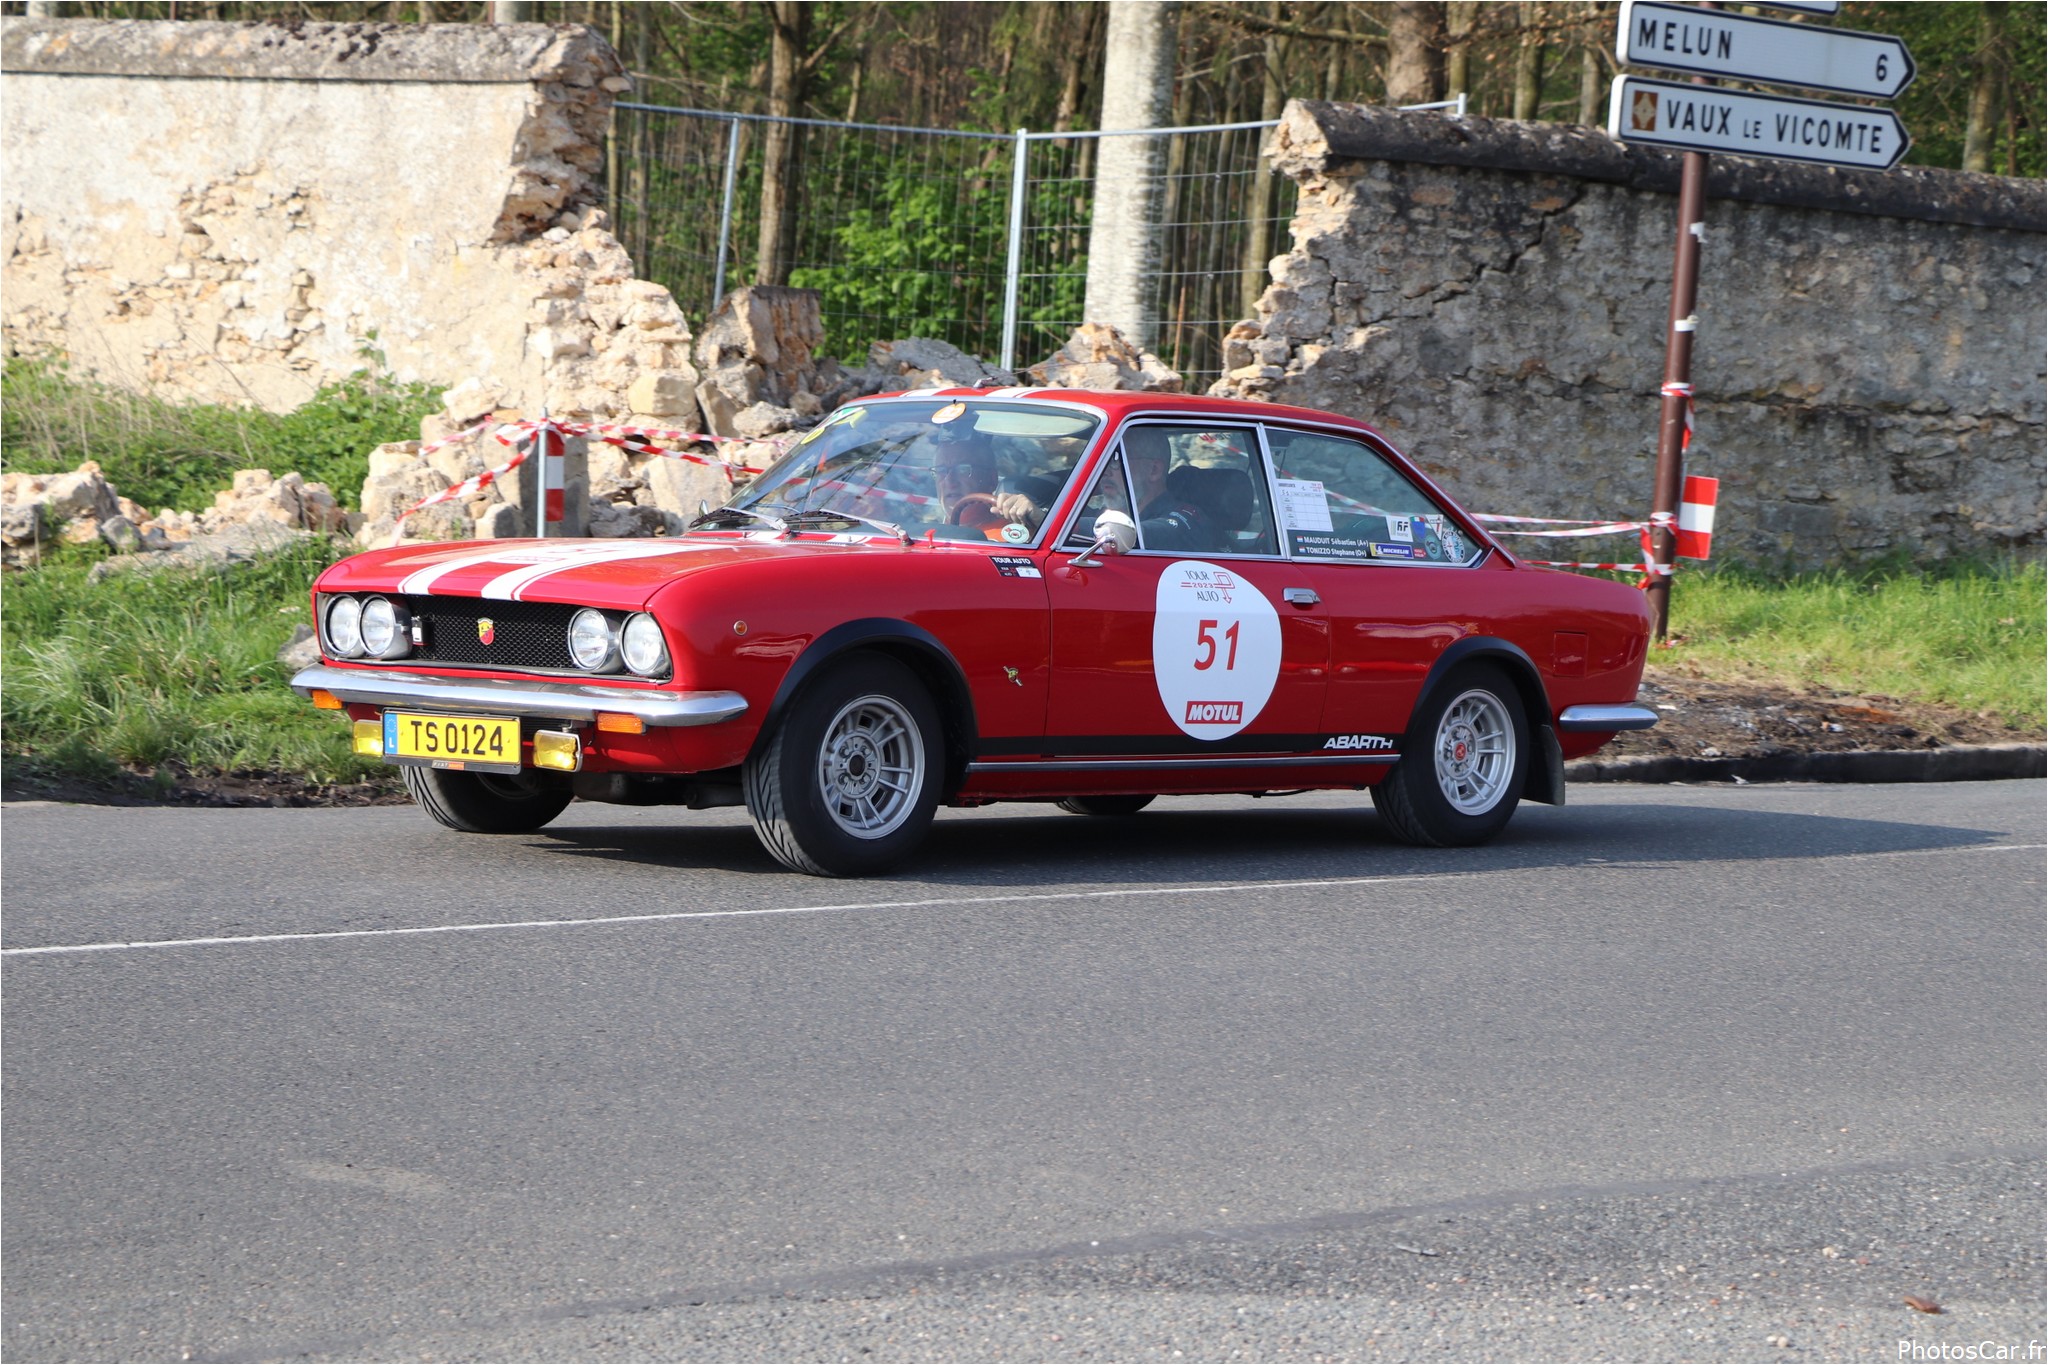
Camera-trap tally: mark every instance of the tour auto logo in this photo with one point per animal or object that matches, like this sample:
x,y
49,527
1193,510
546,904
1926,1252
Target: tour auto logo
x,y
1642,116
486,629
1215,649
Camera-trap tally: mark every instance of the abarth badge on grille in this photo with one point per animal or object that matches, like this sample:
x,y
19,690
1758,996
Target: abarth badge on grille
x,y
486,629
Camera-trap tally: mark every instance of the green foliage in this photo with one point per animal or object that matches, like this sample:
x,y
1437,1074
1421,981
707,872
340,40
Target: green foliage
x,y
1969,636
1945,42
177,666
178,455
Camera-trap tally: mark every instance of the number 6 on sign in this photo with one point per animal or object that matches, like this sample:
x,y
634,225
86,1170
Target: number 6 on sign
x,y
1218,686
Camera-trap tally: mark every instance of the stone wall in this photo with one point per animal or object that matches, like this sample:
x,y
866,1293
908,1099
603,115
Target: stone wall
x,y
243,212
1493,296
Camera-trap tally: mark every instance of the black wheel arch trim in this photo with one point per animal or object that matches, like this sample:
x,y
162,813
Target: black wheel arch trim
x,y
1544,780
927,656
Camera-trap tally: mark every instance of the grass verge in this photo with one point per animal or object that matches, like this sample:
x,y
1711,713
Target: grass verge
x,y
162,671
177,455
1970,637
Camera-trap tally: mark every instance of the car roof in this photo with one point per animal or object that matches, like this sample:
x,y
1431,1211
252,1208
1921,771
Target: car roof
x,y
1120,403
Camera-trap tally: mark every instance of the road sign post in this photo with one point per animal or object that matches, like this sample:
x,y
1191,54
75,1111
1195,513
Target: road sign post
x,y
1677,387
1700,118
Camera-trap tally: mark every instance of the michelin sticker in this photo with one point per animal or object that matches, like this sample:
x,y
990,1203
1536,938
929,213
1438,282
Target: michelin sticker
x,y
1215,649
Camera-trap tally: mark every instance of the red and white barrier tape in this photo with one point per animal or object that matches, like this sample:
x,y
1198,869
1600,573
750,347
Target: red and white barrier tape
x,y
515,435
1681,391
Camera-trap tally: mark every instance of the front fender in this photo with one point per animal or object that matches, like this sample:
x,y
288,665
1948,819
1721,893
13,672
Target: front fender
x,y
914,646
1544,779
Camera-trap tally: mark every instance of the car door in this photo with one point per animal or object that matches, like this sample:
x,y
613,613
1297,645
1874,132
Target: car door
x,y
1395,571
1203,641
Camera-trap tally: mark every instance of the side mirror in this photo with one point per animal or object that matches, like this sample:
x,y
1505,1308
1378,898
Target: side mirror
x,y
1115,534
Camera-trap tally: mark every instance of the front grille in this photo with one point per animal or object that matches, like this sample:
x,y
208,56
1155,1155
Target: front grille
x,y
523,634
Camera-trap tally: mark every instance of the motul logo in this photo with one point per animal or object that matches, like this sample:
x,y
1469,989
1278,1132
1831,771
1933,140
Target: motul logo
x,y
1215,712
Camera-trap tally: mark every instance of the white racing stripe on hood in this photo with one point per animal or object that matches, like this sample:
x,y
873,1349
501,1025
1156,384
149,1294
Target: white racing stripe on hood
x,y
511,552
509,587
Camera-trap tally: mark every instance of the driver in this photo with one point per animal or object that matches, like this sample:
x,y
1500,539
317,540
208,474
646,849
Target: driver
x,y
965,468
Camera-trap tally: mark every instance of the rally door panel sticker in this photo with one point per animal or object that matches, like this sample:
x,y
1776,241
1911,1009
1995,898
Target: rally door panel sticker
x,y
1215,649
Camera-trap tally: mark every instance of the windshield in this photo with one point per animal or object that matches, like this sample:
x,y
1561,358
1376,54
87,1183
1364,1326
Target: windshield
x,y
953,469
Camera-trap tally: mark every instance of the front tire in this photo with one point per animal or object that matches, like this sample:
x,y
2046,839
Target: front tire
x,y
1105,805
848,783
1462,766
485,803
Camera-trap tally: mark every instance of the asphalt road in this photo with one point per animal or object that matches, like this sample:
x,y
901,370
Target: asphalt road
x,y
1670,1073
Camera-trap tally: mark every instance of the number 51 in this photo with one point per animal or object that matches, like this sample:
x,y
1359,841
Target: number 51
x,y
1205,638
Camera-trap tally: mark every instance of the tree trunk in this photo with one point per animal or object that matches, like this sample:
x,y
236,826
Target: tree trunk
x,y
1592,90
1123,241
1459,17
1258,244
788,21
1415,52
1074,66
1528,74
1982,129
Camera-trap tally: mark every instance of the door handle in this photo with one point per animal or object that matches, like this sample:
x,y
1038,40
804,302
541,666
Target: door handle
x,y
1301,597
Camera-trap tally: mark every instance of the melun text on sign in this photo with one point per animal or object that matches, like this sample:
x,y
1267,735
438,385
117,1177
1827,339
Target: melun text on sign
x,y
1701,118
1706,42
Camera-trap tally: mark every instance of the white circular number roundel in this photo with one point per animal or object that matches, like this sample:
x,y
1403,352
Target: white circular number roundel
x,y
1215,648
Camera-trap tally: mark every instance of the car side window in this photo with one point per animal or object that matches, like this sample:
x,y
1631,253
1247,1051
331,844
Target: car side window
x,y
1199,488
1112,493
1341,499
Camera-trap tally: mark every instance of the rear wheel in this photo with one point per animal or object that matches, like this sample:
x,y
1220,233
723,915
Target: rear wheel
x,y
1462,768
485,803
1105,805
848,783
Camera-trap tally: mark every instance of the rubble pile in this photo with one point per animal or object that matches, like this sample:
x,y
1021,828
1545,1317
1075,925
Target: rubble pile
x,y
618,352
81,507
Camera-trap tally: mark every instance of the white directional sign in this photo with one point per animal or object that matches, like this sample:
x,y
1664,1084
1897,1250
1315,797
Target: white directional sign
x,y
1703,118
1804,6
1741,47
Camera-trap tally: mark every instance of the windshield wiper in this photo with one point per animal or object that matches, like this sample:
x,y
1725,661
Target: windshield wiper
x,y
737,516
819,515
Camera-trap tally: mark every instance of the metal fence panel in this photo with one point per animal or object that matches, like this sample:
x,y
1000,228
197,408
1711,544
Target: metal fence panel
x,y
909,231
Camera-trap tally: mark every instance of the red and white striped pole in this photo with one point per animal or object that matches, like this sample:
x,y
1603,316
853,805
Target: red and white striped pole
x,y
553,449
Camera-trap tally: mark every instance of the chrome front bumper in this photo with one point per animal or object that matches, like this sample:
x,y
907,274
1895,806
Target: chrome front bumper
x,y
545,700
1606,718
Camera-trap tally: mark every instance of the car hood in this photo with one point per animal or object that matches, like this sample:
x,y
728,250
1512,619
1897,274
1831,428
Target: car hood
x,y
619,574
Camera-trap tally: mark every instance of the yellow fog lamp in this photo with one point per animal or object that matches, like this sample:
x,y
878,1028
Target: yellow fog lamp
x,y
560,750
369,737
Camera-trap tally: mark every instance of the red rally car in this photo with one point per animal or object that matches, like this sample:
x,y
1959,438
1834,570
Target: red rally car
x,y
967,596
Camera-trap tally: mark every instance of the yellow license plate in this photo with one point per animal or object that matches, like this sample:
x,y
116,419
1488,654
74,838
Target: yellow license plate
x,y
483,743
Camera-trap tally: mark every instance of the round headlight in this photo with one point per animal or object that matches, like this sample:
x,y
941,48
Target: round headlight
x,y
642,647
387,629
590,640
345,627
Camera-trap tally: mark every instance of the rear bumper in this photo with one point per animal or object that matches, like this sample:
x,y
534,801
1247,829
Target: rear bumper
x,y
541,700
1606,718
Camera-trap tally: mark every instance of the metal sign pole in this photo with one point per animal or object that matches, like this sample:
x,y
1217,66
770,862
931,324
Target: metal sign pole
x,y
1685,280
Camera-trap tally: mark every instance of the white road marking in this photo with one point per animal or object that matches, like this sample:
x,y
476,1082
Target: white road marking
x,y
926,904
